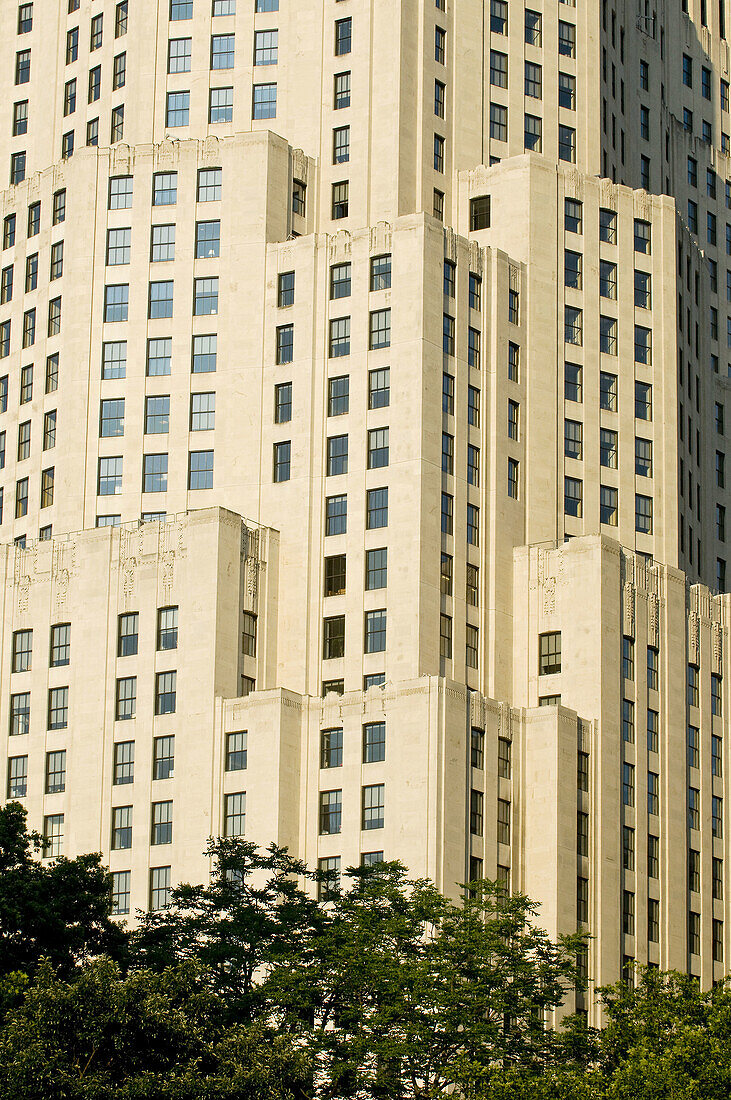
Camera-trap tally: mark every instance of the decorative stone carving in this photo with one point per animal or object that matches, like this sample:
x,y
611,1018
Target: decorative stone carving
x,y
693,639
210,150
653,621
300,165
629,609
717,648
381,236
476,258
340,245
450,244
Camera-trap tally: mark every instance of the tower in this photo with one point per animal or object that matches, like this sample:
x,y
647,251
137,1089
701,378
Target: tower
x,y
362,422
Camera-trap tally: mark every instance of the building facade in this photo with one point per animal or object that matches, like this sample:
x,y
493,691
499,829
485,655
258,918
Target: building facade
x,y
364,385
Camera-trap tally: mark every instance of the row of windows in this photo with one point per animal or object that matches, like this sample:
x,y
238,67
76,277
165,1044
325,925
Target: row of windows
x,y
157,414
160,300
154,473
373,802
123,767
336,511
31,274
335,572
58,215
374,634
574,280
608,505
162,246
532,80
159,354
608,448
608,335
125,708
533,28
128,639
608,391
472,641
165,188
477,815
29,333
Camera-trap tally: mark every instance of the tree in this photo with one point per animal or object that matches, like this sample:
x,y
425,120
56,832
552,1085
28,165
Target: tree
x,y
58,910
250,915
666,1038
411,994
147,1037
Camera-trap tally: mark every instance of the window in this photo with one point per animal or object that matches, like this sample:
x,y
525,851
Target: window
x,y
573,439
340,200
503,821
567,91
378,448
573,270
642,237
376,508
162,244
533,28
124,763
341,91
160,304
159,354
447,334
513,471
126,706
532,133
378,388
373,806
479,213
116,302
573,382
17,777
716,706
499,69
643,345
72,50
573,325
341,145
573,492
498,122
498,16
339,337
223,49
337,455
22,649
440,45
221,105
167,628
282,461
380,329
120,193
127,638
154,473
376,569
533,79
236,751
567,144
375,631
473,404
566,39
161,831
331,812
336,515
160,888
549,653
110,476
53,831
19,713
164,189
628,784
333,637
264,101
717,816
121,880
200,470
204,354
374,742
165,692
96,32
205,297
60,645
653,793
643,514
202,412
22,67
177,109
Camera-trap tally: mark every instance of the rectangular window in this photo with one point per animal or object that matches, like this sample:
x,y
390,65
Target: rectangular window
x,y
380,272
339,343
162,244
374,742
573,497
503,821
373,806
380,329
124,763
200,470
376,569
331,812
53,831
498,122
333,637
161,825
341,91
160,887
154,473
479,213
549,653
336,515
121,884
264,101
376,508
210,184
205,297
164,189
236,751
17,777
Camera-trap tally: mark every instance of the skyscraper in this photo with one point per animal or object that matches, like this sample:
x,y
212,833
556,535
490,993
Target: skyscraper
x,y
363,386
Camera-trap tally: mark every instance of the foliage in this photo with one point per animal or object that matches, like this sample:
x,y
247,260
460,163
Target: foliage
x,y
145,1036
58,910
383,989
